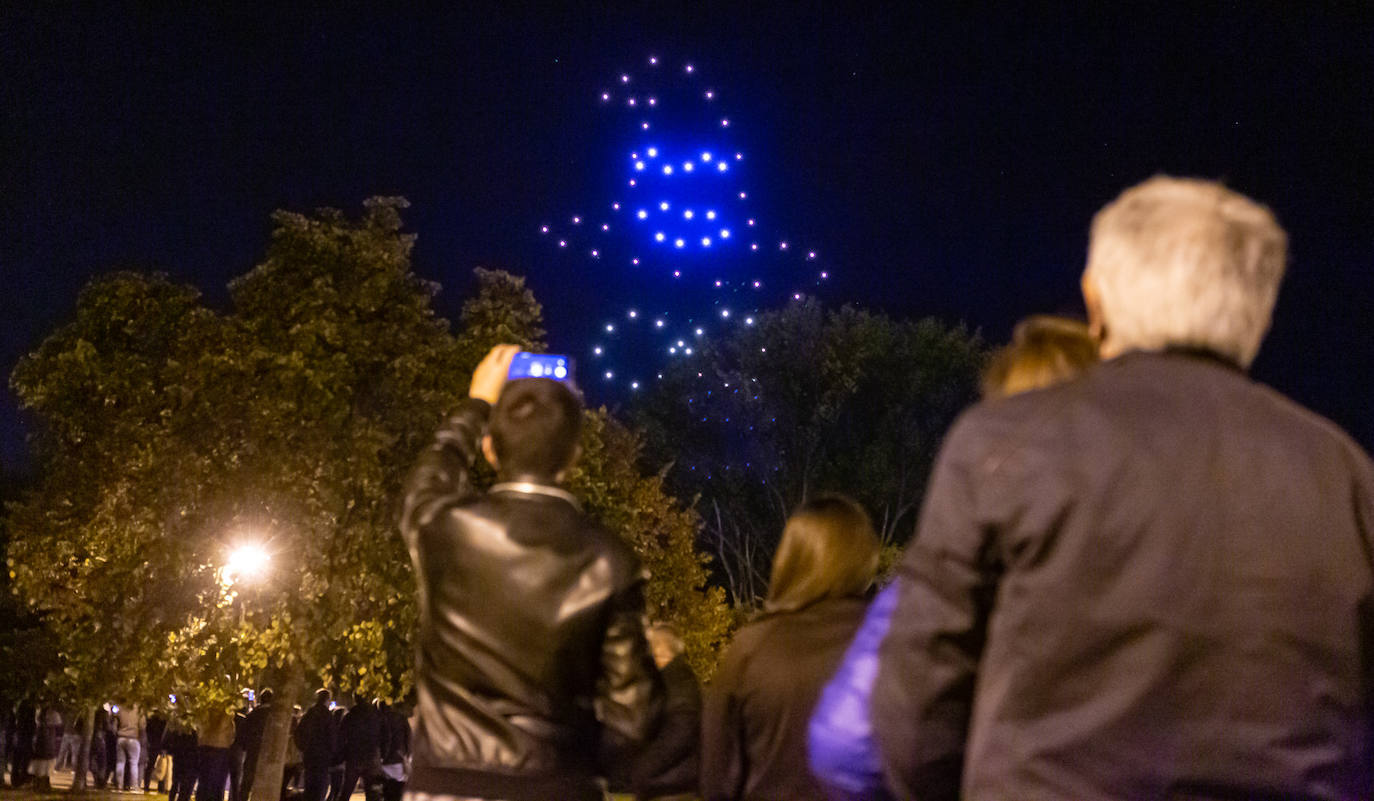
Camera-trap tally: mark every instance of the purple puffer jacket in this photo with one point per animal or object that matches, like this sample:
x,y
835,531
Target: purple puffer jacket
x,y
839,742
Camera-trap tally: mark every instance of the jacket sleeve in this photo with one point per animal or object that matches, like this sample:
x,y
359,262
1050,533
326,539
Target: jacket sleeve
x,y
923,694
724,764
840,747
442,476
629,695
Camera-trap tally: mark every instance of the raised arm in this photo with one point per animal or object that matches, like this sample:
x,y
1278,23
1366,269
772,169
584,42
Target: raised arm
x,y
442,475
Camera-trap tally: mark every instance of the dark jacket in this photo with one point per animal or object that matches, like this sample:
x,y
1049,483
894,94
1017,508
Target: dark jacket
x,y
669,763
1152,582
47,739
531,649
315,735
252,730
753,745
395,736
360,736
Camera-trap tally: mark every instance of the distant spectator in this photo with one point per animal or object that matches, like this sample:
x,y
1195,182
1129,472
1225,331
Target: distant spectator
x,y
181,744
395,751
315,736
101,759
238,751
47,743
252,729
291,769
131,730
25,729
361,737
156,730
336,763
70,749
756,708
841,750
215,738
1153,581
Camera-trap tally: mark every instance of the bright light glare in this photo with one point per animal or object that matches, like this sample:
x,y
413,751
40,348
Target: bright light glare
x,y
653,152
639,165
246,562
706,156
641,214
667,169
710,215
663,206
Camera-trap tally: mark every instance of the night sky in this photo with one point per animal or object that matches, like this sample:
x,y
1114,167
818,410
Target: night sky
x,y
941,160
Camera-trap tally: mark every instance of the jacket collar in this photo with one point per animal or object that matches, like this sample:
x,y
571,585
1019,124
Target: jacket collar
x,y
531,488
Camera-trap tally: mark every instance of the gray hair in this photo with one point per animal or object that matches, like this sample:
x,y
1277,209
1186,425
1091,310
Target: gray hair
x,y
1189,263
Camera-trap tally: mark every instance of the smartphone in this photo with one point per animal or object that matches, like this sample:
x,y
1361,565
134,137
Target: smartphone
x,y
540,365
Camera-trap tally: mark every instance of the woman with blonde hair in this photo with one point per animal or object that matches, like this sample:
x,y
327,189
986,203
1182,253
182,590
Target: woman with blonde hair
x,y
756,709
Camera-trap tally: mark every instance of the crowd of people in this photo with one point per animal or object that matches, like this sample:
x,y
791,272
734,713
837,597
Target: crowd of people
x,y
332,751
1137,574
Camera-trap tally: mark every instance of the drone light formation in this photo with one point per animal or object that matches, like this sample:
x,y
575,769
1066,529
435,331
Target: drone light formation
x,y
683,192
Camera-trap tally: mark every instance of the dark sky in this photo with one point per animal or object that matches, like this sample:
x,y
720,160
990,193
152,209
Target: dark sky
x,y
949,159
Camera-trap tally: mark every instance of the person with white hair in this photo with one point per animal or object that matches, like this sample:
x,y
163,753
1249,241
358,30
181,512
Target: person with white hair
x,y
1152,581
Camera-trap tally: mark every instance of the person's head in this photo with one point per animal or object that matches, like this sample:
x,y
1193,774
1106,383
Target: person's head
x,y
323,697
665,643
1185,263
1044,350
828,550
533,431
265,696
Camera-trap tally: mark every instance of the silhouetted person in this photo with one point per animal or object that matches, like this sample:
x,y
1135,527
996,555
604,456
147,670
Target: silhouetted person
x,y
531,650
182,744
395,751
753,745
25,728
360,734
251,732
215,738
315,736
1153,581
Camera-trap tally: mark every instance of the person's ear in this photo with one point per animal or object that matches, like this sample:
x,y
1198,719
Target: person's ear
x,y
1092,299
572,462
489,451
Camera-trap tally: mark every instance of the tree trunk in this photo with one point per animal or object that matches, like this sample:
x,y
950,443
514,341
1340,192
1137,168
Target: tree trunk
x,y
272,756
83,753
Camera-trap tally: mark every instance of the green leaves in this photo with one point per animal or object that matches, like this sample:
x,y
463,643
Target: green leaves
x,y
171,433
807,401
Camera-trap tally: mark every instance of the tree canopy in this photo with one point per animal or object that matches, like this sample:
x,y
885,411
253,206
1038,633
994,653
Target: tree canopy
x,y
807,400
173,434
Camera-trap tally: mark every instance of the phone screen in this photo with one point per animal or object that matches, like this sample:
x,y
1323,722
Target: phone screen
x,y
540,365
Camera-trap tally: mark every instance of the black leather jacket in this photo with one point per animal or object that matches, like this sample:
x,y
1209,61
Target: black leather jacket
x,y
532,661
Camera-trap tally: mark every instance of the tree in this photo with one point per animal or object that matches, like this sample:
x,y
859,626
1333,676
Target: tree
x,y
172,434
807,401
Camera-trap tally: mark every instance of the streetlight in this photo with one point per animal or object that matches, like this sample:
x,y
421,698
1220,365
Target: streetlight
x,y
247,562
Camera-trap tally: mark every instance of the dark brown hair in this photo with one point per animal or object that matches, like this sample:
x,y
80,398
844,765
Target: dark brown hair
x,y
828,550
1044,350
534,427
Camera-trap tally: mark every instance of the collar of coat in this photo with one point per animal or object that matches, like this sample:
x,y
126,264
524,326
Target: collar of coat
x,y
531,488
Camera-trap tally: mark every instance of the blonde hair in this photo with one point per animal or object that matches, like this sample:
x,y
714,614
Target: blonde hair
x,y
828,550
1186,262
1044,350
